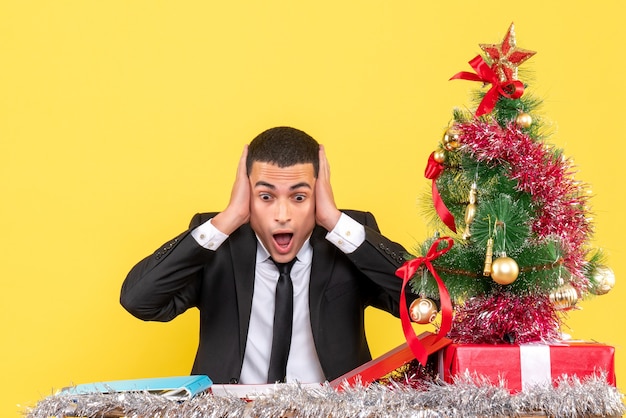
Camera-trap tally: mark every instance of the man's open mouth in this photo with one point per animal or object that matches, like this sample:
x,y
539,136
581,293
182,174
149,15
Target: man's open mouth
x,y
283,239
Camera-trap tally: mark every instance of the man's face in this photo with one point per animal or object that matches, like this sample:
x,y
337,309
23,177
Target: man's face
x,y
282,207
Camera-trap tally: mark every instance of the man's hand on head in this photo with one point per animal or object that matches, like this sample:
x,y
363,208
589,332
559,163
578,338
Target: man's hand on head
x,y
326,213
237,212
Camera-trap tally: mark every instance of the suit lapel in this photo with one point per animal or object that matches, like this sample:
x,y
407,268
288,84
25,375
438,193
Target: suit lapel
x,y
321,270
243,254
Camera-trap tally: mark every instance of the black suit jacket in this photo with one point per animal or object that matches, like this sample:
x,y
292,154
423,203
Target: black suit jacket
x,y
181,274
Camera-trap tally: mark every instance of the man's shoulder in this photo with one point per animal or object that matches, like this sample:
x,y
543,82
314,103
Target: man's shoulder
x,y
360,216
200,218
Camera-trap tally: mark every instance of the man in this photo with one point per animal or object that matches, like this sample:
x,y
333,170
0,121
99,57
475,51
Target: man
x,y
281,212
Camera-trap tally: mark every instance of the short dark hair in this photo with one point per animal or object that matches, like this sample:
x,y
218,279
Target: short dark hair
x,y
284,146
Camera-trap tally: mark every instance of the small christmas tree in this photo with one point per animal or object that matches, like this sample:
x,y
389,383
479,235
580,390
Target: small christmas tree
x,y
518,219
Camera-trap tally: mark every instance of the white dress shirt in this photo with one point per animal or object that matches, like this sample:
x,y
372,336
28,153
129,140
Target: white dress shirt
x,y
303,364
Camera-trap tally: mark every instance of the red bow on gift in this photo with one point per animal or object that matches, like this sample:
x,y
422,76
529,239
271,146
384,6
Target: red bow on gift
x,y
513,89
406,272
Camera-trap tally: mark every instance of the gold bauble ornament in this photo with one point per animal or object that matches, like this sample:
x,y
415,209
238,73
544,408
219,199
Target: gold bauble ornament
x,y
564,297
504,270
524,120
604,280
451,138
470,211
423,311
439,156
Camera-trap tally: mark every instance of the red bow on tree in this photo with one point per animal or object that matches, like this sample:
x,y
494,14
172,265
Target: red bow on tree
x,y
433,171
512,89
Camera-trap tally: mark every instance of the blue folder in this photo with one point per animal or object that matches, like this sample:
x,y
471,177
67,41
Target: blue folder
x,y
176,387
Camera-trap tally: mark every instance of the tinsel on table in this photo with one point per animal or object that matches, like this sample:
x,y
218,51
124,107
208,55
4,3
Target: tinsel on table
x,y
468,396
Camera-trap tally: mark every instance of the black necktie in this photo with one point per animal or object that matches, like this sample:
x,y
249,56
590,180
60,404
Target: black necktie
x,y
283,315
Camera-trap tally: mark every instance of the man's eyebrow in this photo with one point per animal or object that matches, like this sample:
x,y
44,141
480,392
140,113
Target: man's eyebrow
x,y
300,185
264,184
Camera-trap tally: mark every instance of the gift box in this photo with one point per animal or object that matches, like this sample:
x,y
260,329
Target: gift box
x,y
381,366
525,365
171,387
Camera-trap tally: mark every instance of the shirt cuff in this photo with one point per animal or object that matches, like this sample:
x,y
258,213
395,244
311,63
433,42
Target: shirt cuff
x,y
347,235
208,236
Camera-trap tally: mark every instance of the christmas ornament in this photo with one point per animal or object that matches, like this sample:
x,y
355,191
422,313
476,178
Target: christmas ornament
x,y
470,211
439,156
506,56
524,120
488,258
423,311
604,279
451,138
504,270
564,297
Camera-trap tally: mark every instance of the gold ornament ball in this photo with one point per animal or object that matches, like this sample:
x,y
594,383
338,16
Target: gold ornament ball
x,y
439,156
451,138
565,297
604,278
504,270
524,120
423,311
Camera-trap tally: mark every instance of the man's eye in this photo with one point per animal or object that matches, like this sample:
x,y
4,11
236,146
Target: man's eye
x,y
299,198
265,196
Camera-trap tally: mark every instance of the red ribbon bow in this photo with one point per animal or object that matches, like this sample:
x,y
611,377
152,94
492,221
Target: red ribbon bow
x,y
406,272
513,89
433,171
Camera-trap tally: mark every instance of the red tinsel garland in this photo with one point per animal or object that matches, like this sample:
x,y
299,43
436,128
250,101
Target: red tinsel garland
x,y
547,178
503,317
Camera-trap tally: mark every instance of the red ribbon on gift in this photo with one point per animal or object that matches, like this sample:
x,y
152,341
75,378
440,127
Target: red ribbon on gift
x,y
406,272
433,171
512,89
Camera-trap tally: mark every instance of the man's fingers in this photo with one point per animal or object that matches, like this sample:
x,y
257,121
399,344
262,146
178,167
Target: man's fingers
x,y
241,169
324,166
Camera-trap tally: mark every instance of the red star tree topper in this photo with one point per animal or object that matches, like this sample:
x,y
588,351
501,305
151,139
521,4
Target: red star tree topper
x,y
506,56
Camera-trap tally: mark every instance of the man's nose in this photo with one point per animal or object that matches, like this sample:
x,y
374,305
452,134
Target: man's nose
x,y
283,212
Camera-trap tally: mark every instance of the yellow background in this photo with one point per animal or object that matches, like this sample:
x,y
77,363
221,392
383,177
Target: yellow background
x,y
120,119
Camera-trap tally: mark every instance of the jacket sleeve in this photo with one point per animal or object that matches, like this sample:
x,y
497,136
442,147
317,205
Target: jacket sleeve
x,y
378,258
166,283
